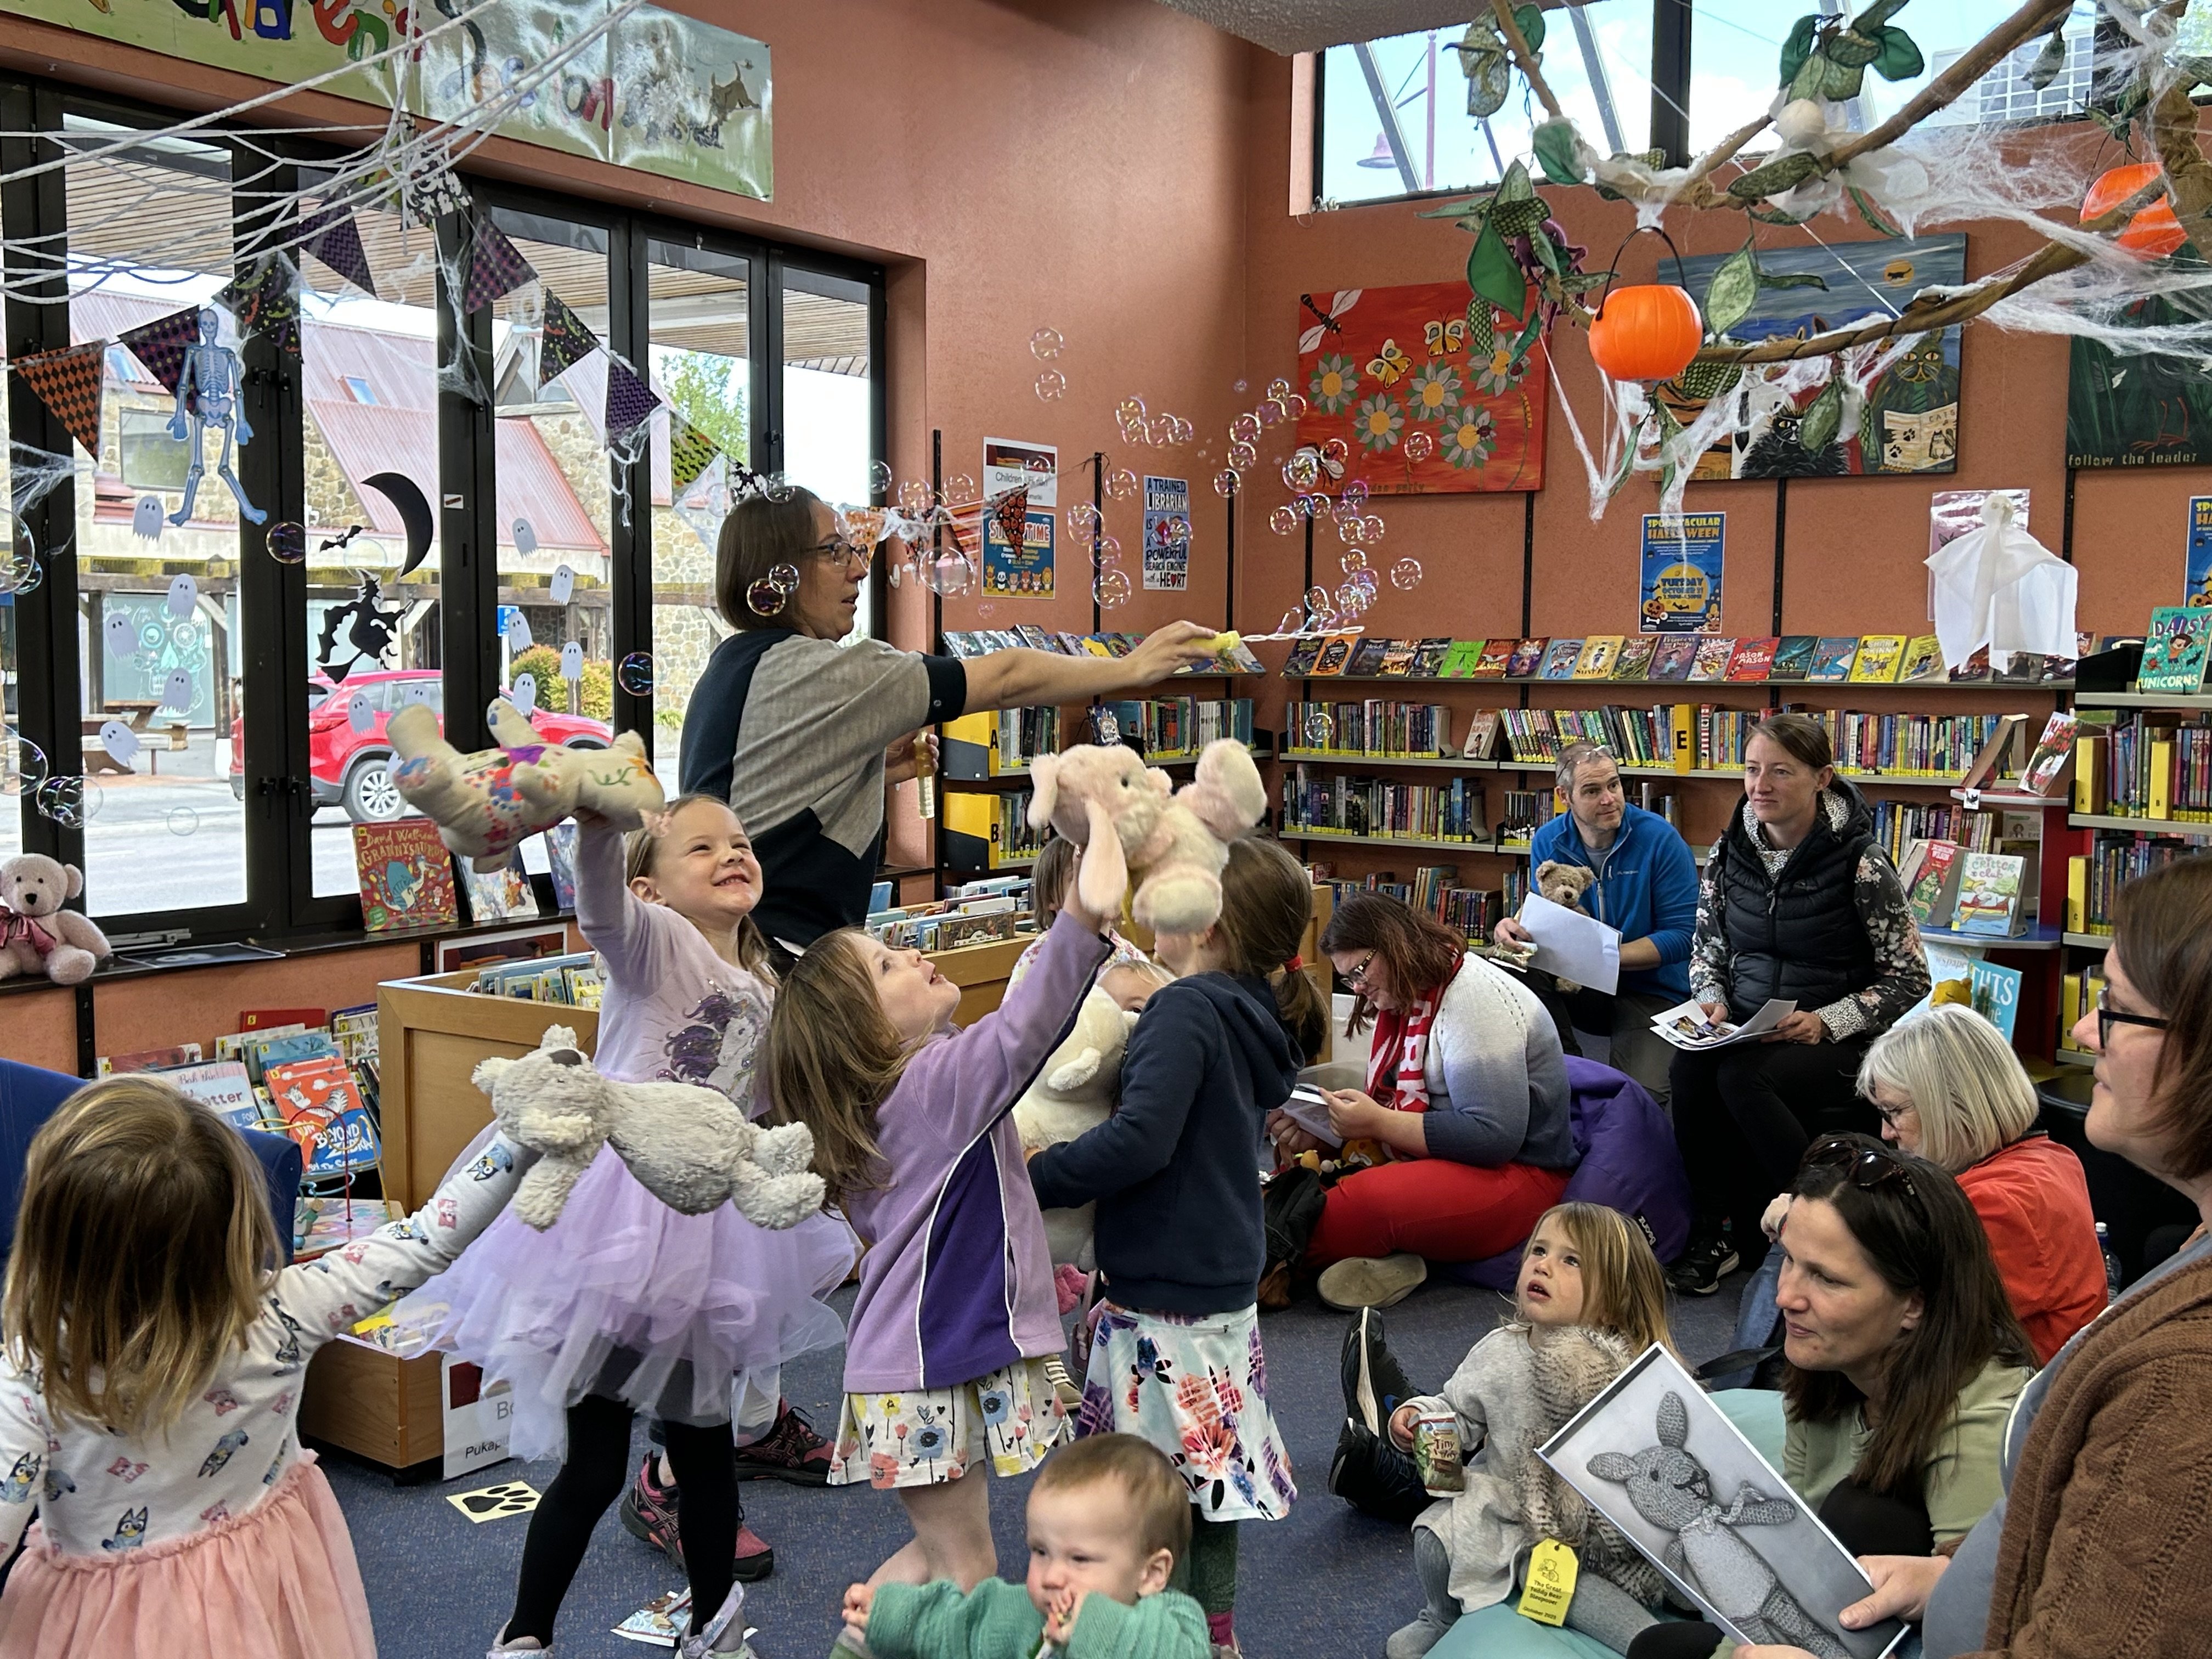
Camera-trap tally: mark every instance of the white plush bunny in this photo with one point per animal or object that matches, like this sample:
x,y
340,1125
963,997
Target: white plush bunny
x,y
1074,1095
688,1146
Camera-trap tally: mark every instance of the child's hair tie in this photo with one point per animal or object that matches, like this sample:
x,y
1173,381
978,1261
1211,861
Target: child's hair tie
x,y
1294,966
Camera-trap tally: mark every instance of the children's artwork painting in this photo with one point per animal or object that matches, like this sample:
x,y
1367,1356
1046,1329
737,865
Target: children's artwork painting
x,y
2136,409
1424,402
1656,1457
1909,419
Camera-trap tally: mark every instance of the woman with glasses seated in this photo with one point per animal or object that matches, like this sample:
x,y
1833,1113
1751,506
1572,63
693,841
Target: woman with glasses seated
x,y
1798,904
803,734
1466,1103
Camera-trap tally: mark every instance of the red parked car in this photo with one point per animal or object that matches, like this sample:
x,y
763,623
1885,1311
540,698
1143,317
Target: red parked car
x,y
353,768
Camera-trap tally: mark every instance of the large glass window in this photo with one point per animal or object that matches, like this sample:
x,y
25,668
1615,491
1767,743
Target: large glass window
x,y
829,395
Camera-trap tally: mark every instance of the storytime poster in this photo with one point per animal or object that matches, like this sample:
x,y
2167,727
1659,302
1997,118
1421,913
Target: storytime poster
x,y
2197,575
1167,533
1680,588
1019,573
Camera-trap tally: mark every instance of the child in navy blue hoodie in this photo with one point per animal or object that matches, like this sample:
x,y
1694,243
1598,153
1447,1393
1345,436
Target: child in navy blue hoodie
x,y
1176,1358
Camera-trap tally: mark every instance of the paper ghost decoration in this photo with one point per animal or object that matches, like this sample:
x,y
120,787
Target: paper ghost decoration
x,y
361,716
518,632
122,638
572,662
177,690
564,585
146,519
120,742
526,539
524,694
1997,586
184,594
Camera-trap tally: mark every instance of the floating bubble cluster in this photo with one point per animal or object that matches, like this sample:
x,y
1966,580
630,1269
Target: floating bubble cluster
x,y
71,801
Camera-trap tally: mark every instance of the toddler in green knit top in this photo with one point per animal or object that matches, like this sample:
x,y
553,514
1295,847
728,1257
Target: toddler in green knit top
x,y
1107,1520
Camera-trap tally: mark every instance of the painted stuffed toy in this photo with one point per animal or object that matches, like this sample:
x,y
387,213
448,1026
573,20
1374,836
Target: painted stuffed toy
x,y
1565,883
688,1146
487,804
1074,1095
1104,798
1672,1489
38,934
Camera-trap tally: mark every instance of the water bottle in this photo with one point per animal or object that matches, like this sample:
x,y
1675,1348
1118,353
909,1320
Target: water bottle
x,y
2113,1273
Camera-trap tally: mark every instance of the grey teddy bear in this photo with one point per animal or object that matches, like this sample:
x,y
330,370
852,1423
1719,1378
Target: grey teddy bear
x,y
1671,1489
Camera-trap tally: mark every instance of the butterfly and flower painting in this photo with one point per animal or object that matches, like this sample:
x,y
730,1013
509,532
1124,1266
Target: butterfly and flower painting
x,y
1422,390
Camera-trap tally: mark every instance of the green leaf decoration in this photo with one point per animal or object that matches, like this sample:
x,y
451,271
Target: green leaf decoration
x,y
1607,193
1842,81
1798,46
1474,206
1730,295
1527,336
2048,62
1582,282
1792,279
1706,379
1530,21
1546,250
1513,186
1811,76
1900,59
1767,215
1850,48
1554,144
1486,65
1875,218
1494,273
1824,416
1481,329
1784,173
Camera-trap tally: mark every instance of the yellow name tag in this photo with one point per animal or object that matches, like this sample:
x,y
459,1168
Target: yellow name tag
x,y
1552,1572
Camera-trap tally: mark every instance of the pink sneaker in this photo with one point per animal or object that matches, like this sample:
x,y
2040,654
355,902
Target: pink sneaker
x,y
1067,1282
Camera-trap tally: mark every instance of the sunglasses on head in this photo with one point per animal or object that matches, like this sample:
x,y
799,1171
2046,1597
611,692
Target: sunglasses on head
x,y
1869,1165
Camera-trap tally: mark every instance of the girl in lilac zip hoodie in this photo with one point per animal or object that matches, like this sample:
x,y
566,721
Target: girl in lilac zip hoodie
x,y
914,1132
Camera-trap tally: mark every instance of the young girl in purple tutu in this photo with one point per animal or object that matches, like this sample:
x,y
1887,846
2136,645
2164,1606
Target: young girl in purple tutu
x,y
623,1305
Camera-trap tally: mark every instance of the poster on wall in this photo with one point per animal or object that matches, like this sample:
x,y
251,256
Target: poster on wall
x,y
2196,572
1010,463
2135,409
1167,533
1019,573
1680,588
1423,404
1909,421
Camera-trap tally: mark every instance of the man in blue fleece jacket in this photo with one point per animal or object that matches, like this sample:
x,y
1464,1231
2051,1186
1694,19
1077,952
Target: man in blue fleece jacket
x,y
1646,886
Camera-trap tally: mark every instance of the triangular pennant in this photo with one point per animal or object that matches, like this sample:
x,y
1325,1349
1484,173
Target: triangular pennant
x,y
565,343
68,382
265,297
690,452
162,345
331,236
496,267
1013,512
629,400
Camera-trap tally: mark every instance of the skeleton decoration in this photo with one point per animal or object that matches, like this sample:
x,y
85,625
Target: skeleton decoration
x,y
208,395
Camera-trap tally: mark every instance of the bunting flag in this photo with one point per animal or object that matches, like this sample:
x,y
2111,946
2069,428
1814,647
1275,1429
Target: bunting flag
x,y
566,342
162,345
864,525
265,297
690,452
331,235
496,267
630,401
68,382
1013,512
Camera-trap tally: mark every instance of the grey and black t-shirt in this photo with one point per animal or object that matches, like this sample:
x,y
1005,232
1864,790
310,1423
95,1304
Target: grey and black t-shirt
x,y
791,731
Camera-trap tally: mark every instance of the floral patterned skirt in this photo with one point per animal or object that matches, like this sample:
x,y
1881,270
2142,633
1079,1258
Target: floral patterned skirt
x,y
1195,1385
927,1436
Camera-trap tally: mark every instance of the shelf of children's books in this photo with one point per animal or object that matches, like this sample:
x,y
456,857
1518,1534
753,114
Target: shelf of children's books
x,y
1190,756
1728,774
1296,832
2090,941
2142,700
2037,938
2148,826
1848,687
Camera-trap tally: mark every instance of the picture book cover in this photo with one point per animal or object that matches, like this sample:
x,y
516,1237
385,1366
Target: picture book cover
x,y
2021,668
2045,773
1397,659
223,1086
1367,657
406,875
1559,659
1463,658
149,1060
1922,660
1752,659
1482,734
1335,652
1637,652
1495,659
561,854
1527,657
1676,655
501,895
1976,667
1304,655
1429,658
1989,893
1876,662
260,1053
1928,875
1793,657
1832,658
1712,659
1595,660
1034,637
2174,649
269,1019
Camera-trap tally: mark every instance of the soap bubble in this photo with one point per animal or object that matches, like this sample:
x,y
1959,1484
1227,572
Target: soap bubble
x,y
777,487
1295,404
1244,429
765,598
1318,602
1269,412
1351,601
1405,575
287,542
1283,521
959,489
1418,445
1111,590
1303,470
1320,728
1293,621
1335,449
1082,519
22,763
71,801
986,610
784,576
1160,430
633,673
1107,552
950,571
1052,385
1350,530
1353,561
183,821
1121,483
1241,385
1278,388
1130,411
879,478
1373,527
916,498
20,573
1355,491
1225,481
1313,507
1243,456
1045,344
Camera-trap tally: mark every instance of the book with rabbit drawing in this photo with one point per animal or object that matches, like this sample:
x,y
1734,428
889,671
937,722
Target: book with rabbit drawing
x,y
1659,1458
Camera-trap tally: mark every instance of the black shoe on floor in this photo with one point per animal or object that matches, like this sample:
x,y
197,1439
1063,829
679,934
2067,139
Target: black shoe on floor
x,y
1376,1478
1375,1384
1707,1262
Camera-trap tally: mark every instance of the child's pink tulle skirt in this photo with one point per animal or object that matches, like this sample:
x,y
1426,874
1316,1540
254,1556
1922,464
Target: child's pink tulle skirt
x,y
278,1582
626,1298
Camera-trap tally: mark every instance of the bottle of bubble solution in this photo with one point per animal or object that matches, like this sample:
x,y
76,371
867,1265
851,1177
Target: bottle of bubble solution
x,y
2113,1273
925,779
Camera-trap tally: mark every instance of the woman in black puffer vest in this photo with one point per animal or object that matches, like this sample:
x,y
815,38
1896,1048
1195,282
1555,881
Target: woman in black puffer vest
x,y
1800,903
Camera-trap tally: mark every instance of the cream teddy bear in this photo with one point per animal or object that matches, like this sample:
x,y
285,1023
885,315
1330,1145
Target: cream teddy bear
x,y
38,932
1104,798
487,803
688,1146
1565,883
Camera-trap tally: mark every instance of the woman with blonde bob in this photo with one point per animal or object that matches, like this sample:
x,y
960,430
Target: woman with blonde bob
x,y
150,1382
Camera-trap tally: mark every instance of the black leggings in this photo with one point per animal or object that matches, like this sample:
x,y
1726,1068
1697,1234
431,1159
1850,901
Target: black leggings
x,y
1744,1117
592,1477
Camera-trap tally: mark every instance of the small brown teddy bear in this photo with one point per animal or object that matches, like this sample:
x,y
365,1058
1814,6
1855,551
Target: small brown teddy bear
x,y
36,933
1565,883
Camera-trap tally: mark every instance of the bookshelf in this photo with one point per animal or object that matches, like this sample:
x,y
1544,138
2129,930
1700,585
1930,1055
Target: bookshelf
x,y
1850,688
2197,827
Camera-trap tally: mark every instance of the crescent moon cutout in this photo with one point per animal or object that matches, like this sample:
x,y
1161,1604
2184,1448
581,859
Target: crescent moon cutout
x,y
414,508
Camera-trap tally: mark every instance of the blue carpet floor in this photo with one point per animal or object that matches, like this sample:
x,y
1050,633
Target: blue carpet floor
x,y
1325,1581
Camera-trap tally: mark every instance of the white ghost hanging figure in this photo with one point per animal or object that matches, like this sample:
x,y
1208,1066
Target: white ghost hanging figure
x,y
1997,585
146,519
